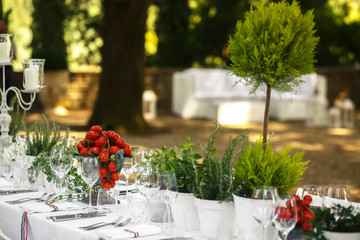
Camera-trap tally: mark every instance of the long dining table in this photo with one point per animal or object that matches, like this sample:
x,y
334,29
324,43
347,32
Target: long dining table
x,y
30,221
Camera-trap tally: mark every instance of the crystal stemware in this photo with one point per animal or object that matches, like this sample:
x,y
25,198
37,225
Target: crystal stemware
x,y
20,156
90,173
127,169
285,215
168,193
147,183
315,191
141,155
336,194
263,202
60,163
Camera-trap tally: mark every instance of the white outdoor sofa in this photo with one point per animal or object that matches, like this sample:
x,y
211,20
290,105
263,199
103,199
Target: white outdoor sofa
x,y
213,94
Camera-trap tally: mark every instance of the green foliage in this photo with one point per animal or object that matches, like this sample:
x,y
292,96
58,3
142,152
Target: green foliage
x,y
256,167
17,117
45,136
214,177
337,218
180,160
274,45
48,33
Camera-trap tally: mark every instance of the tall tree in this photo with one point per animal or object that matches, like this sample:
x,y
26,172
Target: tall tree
x,y
48,33
119,103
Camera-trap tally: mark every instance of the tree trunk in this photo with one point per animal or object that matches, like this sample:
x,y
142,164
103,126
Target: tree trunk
x,y
266,115
119,104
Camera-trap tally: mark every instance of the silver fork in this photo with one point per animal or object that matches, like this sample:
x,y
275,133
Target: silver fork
x,y
100,223
120,224
21,200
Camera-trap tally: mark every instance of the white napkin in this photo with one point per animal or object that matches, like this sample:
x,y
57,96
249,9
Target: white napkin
x,y
4,183
44,208
141,230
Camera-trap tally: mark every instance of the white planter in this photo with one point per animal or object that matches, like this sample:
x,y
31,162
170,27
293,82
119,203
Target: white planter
x,y
342,235
216,219
185,213
246,228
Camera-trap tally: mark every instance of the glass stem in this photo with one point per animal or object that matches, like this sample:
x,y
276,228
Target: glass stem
x,y
285,236
127,186
90,196
148,210
264,231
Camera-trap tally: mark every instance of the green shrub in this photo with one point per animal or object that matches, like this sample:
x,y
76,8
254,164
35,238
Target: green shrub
x,y
256,167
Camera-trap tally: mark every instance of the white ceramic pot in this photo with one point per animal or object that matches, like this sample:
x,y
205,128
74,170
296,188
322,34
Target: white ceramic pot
x,y
342,235
185,213
246,228
216,218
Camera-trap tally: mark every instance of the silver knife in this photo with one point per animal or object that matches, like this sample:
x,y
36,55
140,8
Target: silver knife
x,y
68,217
7,192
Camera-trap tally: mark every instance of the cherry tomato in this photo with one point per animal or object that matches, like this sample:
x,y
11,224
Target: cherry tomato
x,y
308,214
115,176
114,149
88,142
127,150
96,150
79,146
306,226
297,199
104,150
103,172
96,128
299,220
92,135
101,141
103,181
308,198
120,142
112,166
103,157
305,203
111,134
107,186
112,183
84,152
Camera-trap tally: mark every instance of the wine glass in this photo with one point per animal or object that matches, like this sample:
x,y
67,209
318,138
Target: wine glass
x,y
263,203
7,170
140,155
20,156
285,215
60,163
70,141
90,173
127,169
168,193
336,194
147,183
315,191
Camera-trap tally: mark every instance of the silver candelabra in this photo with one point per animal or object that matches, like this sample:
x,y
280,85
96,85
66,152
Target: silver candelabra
x,y
33,82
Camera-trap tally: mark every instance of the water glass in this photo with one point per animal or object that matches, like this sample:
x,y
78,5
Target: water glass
x,y
127,169
137,205
263,202
285,215
315,191
90,173
60,163
141,155
105,202
7,169
336,194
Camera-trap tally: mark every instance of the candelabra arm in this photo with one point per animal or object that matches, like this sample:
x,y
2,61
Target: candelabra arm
x,y
24,105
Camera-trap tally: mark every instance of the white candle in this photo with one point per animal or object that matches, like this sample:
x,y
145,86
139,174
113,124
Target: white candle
x,y
4,51
31,78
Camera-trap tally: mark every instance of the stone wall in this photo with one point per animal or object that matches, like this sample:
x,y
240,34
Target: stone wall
x,y
83,87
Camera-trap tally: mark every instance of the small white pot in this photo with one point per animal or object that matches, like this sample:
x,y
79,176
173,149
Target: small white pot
x,y
185,213
342,235
216,219
246,227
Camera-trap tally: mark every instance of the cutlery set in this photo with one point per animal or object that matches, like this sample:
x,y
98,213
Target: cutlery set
x,y
43,198
8,192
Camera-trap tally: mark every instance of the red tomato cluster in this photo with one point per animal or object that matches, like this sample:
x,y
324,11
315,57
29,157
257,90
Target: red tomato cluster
x,y
304,212
104,144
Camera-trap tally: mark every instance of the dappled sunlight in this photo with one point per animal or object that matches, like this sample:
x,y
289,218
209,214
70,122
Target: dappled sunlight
x,y
308,146
341,131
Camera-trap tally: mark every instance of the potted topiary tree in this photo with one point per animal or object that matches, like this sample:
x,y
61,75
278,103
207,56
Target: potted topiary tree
x,y
271,49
